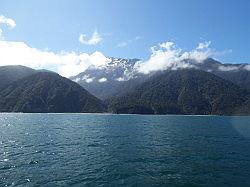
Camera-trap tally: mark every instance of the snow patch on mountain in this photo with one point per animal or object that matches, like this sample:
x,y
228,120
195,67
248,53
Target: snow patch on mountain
x,y
102,79
116,69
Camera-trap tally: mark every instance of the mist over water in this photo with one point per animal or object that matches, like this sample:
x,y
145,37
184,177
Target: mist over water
x,y
124,150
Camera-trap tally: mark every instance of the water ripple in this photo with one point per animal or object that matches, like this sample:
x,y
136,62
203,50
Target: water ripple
x,y
123,150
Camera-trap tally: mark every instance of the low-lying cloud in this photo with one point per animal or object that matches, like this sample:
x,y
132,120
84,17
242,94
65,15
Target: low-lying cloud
x,y
228,68
168,56
163,56
247,67
65,63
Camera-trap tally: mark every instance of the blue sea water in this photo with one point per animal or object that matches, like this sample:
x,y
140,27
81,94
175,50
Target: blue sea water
x,y
123,150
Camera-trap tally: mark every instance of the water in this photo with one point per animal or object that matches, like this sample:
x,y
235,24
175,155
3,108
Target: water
x,y
123,150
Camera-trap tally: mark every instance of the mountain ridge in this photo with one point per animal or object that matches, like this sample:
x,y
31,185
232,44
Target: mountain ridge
x,y
47,92
186,91
236,73
182,91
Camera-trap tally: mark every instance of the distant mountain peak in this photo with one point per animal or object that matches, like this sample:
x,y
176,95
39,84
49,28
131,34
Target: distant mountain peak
x,y
117,69
119,74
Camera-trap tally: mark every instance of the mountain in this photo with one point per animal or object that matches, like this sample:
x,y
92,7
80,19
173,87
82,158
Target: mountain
x,y
47,92
207,87
236,73
109,79
186,91
9,74
120,75
241,77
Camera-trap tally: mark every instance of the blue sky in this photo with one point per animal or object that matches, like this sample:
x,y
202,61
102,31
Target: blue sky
x,y
129,28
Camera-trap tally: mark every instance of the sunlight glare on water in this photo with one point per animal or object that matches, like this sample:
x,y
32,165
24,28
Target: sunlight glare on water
x,y
129,150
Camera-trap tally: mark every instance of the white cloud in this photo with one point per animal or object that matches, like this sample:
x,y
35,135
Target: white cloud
x,y
168,56
93,40
164,56
247,67
85,78
202,52
167,45
102,80
204,45
65,63
8,21
228,68
77,79
89,80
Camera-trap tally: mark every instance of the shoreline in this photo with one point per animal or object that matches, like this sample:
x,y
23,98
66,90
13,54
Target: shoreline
x,y
114,114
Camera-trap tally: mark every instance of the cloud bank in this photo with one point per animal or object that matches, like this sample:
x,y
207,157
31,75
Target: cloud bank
x,y
168,56
65,63
247,67
163,56
228,68
93,40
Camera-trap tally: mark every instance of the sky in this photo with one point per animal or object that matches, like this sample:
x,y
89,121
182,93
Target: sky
x,y
71,32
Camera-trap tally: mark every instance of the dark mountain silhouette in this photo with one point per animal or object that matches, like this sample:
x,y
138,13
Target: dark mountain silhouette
x,y
210,88
236,73
186,91
47,92
9,74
